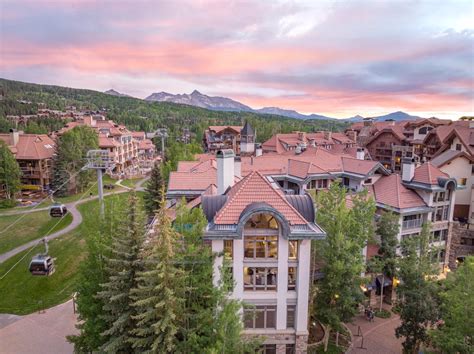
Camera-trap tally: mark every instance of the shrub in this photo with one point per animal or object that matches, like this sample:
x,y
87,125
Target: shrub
x,y
383,313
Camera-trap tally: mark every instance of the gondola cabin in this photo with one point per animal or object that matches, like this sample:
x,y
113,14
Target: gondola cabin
x,y
57,210
41,265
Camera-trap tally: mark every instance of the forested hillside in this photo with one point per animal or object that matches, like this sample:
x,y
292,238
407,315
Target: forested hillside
x,y
138,114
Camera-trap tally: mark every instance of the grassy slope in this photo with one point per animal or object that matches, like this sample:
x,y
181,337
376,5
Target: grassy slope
x,y
32,226
22,293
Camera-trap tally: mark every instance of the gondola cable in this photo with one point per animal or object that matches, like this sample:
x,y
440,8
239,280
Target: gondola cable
x,y
32,209
47,233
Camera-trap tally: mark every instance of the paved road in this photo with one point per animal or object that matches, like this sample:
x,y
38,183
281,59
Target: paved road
x,y
378,336
40,333
76,220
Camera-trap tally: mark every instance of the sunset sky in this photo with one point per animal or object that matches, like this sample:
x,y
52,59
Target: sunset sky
x,y
337,58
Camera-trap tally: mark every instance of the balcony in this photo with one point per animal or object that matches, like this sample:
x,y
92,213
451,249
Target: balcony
x,y
412,224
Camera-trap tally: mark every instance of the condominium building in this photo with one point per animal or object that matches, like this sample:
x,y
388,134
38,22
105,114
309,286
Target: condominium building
x,y
34,154
266,237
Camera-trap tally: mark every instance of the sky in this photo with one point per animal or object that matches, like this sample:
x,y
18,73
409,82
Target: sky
x,y
338,58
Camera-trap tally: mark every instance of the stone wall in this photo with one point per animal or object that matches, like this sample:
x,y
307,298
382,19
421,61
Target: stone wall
x,y
457,249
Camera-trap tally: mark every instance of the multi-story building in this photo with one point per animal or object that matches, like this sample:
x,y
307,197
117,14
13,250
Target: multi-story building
x,y
266,237
421,194
280,143
34,154
312,169
218,137
123,147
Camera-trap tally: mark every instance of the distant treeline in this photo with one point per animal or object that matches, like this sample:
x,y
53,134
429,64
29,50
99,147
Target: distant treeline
x,y
141,115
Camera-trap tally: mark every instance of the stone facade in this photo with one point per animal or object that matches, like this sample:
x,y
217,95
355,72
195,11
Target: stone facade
x,y
462,243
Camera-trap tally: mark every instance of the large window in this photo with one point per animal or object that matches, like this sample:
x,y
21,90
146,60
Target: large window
x,y
440,235
260,317
290,316
441,213
228,249
292,278
293,250
261,247
257,278
318,184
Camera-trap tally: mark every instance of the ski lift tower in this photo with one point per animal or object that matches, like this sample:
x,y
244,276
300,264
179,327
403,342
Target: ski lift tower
x,y
163,134
100,161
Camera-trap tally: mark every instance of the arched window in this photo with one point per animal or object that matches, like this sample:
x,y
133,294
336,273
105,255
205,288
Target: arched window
x,y
261,237
262,221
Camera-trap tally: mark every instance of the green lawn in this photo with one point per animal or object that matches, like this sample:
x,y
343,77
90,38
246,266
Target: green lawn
x,y
22,293
131,182
72,198
30,227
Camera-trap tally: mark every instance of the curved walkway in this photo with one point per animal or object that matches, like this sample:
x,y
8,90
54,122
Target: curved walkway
x,y
76,220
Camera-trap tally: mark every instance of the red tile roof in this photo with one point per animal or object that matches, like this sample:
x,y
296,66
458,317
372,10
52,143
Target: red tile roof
x,y
255,188
192,181
428,174
219,128
30,146
390,191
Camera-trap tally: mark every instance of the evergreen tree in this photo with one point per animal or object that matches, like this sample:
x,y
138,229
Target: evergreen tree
x,y
122,266
159,297
417,291
9,172
455,334
153,191
338,293
385,262
93,273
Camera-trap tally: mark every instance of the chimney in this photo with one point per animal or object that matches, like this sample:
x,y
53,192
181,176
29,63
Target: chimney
x,y
302,136
14,137
408,169
238,166
225,170
327,135
258,150
360,155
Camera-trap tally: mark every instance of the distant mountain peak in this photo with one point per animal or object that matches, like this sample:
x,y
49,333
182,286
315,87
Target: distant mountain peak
x,y
199,99
112,92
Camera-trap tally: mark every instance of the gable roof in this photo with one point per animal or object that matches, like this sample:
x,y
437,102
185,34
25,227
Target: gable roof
x,y
448,156
219,128
255,188
390,191
427,173
30,146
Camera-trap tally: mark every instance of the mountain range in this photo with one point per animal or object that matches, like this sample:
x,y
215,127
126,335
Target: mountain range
x,y
218,103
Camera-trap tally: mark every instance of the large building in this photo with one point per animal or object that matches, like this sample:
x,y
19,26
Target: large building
x,y
421,194
130,151
219,137
34,154
298,141
266,237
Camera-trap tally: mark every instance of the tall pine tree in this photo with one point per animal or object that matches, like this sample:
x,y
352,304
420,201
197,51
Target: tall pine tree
x,y
159,297
92,273
122,266
153,191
